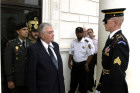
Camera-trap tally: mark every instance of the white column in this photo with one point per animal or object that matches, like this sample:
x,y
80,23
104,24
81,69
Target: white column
x,y
51,14
46,11
130,29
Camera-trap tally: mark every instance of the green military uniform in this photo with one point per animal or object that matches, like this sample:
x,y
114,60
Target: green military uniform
x,y
15,61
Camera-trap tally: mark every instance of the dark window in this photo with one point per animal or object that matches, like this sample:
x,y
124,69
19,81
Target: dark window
x,y
14,12
31,2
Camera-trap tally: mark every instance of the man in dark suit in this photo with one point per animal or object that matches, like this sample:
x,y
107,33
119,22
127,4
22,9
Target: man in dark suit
x,y
115,55
44,68
15,58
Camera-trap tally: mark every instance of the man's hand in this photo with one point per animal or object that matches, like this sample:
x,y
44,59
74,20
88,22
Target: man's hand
x,y
86,67
70,66
11,85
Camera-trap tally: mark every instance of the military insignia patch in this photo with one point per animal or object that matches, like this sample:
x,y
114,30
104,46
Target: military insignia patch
x,y
117,61
112,38
83,47
119,36
107,51
86,40
89,46
16,58
122,42
16,48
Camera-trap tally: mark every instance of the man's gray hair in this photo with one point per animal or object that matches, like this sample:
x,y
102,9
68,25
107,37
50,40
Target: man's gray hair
x,y
42,27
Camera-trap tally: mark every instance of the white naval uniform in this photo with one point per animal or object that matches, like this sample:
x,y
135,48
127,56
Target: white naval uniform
x,y
81,50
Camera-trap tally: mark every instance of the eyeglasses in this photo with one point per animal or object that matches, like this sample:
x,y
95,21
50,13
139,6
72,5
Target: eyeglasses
x,y
89,32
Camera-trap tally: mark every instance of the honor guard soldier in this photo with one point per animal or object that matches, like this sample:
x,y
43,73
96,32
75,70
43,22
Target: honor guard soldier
x,y
15,60
80,53
33,32
115,54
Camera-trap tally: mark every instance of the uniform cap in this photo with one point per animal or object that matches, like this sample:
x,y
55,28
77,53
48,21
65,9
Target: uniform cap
x,y
109,13
21,25
79,30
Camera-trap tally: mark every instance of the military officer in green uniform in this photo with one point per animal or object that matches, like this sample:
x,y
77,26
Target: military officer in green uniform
x,y
115,54
33,32
15,60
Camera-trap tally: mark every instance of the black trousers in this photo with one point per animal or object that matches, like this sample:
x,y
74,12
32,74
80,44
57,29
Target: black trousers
x,y
78,76
92,64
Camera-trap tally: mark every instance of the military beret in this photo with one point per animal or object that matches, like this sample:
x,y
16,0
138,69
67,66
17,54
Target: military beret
x,y
79,30
21,25
116,12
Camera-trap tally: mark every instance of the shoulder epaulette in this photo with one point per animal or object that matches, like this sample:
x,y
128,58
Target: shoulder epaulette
x,y
10,41
119,37
86,40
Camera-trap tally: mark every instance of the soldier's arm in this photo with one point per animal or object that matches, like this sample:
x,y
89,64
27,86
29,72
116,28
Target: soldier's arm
x,y
8,64
120,58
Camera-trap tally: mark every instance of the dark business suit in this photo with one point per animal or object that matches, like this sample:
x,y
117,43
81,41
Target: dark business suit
x,y
42,74
115,57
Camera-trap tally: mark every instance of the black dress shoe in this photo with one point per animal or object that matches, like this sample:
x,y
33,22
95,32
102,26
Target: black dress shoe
x,y
90,89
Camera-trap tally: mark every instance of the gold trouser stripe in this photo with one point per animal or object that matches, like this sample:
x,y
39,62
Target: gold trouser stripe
x,y
106,71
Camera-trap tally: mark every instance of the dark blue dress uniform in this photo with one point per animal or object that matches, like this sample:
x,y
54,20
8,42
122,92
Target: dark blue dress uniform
x,y
115,57
15,61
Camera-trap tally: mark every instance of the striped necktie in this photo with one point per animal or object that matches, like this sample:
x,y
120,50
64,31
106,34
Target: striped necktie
x,y
53,57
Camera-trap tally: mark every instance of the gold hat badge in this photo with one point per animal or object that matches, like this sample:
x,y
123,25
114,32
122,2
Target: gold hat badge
x,y
17,48
33,24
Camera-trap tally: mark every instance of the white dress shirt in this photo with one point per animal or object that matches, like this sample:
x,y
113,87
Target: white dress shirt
x,y
81,50
111,34
22,41
46,47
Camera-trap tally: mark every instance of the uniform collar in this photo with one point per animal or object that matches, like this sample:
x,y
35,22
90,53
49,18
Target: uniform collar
x,y
22,40
82,40
111,35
